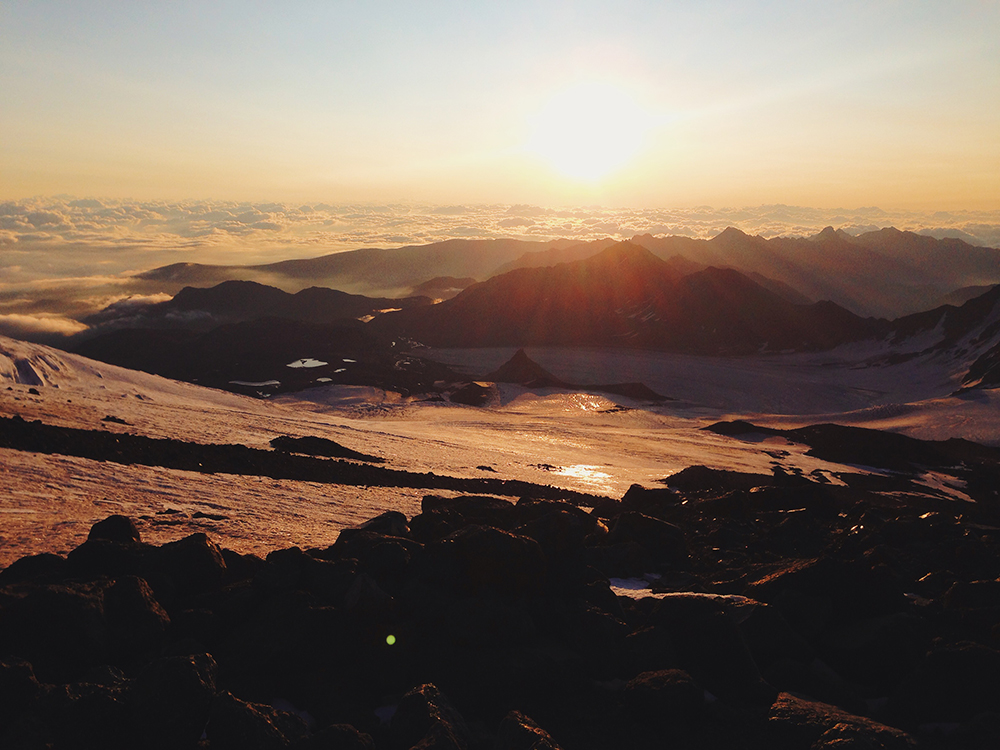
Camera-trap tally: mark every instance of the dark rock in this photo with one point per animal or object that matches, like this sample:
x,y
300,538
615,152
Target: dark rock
x,y
661,502
650,649
953,683
44,567
238,725
797,723
472,394
425,718
317,446
973,595
292,568
171,699
192,565
337,737
711,648
481,559
853,588
383,558
472,509
663,540
19,689
666,698
60,629
390,523
487,622
115,528
815,681
700,478
367,600
85,715
105,557
876,651
770,638
137,624
560,533
518,732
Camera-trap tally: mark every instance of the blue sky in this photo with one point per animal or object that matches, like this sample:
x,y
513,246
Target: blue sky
x,y
624,103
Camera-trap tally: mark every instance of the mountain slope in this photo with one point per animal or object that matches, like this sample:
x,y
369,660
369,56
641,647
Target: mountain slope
x,y
626,296
195,308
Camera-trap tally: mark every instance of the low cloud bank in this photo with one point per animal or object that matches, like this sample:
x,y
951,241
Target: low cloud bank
x,y
39,327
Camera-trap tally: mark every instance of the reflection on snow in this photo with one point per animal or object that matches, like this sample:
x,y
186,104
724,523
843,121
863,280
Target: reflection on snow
x,y
587,474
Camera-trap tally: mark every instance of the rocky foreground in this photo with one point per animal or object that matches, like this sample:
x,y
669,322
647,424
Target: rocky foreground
x,y
776,613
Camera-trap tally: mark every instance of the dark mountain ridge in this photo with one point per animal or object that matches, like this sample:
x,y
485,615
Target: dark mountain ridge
x,y
626,296
241,301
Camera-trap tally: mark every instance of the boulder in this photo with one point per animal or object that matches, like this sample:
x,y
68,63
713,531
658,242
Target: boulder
x,y
116,528
44,567
481,559
659,502
192,566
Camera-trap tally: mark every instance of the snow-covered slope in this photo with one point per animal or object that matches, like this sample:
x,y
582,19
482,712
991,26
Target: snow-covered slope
x,y
582,441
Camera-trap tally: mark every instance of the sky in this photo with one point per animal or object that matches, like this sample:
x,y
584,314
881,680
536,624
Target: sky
x,y
888,103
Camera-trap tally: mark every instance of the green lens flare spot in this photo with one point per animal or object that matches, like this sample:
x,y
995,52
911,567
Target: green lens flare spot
x,y
390,639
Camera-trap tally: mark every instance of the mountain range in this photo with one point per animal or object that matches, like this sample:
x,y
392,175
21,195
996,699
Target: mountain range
x,y
885,273
626,296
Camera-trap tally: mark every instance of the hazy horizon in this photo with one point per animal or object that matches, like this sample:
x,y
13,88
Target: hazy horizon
x,y
628,104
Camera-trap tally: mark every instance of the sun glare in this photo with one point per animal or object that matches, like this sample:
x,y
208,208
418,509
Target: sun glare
x,y
587,131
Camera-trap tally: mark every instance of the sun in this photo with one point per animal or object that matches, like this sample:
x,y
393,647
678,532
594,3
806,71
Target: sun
x,y
589,130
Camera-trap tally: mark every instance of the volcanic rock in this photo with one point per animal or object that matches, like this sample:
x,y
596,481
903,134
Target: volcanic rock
x,y
518,732
426,718
170,701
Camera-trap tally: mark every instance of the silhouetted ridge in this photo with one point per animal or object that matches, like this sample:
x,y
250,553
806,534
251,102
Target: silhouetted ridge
x,y
625,296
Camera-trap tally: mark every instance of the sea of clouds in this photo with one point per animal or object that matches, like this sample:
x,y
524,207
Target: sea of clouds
x,y
62,256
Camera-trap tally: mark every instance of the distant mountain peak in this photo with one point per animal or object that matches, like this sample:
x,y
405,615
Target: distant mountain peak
x,y
828,233
625,251
523,370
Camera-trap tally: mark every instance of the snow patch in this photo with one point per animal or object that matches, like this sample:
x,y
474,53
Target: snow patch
x,y
307,363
